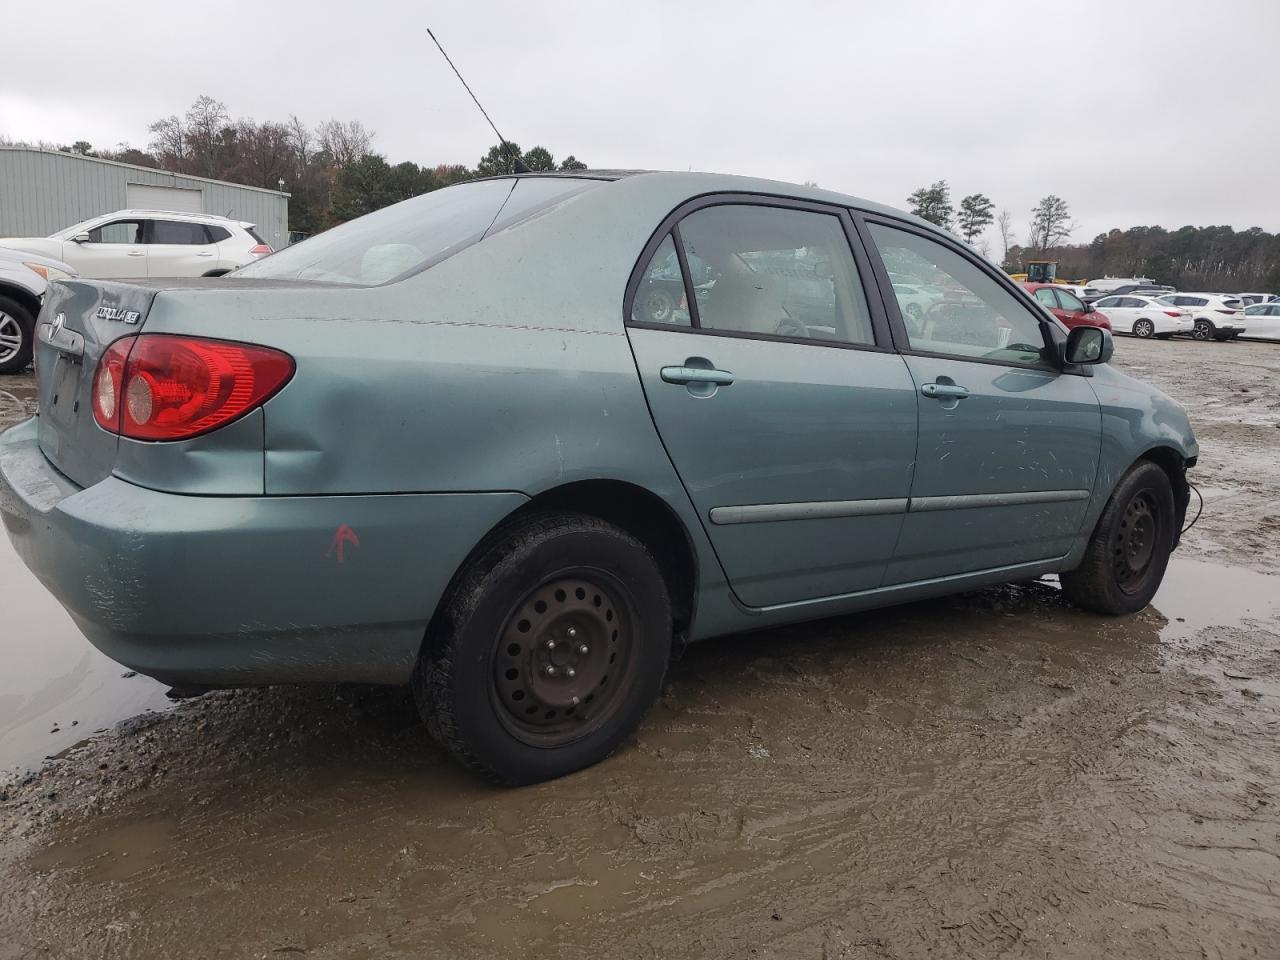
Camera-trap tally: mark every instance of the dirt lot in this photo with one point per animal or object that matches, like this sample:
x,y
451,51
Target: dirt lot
x,y
993,774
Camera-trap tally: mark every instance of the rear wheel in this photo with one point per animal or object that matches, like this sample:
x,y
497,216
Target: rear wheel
x,y
17,327
1129,550
550,647
1144,329
1203,330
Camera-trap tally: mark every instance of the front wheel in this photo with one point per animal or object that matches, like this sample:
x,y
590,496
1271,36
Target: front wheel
x,y
1129,550
549,649
16,328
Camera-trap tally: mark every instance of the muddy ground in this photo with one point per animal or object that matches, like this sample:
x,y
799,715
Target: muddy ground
x,y
988,775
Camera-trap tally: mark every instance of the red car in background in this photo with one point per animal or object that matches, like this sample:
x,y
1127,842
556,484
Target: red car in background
x,y
1066,306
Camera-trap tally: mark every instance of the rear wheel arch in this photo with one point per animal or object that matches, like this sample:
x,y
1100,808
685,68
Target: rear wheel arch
x,y
633,509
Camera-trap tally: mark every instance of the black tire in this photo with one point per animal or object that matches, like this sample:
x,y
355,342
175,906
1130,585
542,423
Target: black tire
x,y
659,305
484,684
1127,555
1222,337
15,318
1144,329
1203,330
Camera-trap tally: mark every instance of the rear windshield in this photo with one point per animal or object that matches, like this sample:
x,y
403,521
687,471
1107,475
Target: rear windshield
x,y
415,234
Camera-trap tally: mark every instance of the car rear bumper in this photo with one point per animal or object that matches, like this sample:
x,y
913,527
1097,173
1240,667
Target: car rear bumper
x,y
234,591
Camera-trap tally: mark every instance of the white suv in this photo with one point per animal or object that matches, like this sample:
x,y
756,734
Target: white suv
x,y
150,243
1216,316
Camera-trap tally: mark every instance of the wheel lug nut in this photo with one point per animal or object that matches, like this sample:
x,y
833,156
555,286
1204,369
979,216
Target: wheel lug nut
x,y
583,649
571,632
551,644
551,670
569,672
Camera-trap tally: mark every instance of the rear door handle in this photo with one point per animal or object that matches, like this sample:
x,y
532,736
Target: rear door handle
x,y
137,253
687,375
206,253
944,391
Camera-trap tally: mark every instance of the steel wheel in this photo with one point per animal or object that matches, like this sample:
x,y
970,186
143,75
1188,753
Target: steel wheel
x,y
11,337
1203,330
1133,542
563,659
1144,329
658,306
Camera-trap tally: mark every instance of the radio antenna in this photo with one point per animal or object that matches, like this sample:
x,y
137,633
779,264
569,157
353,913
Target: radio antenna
x,y
518,163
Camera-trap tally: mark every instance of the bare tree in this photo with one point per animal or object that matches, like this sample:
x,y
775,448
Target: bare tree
x,y
300,141
344,142
207,119
1004,223
169,142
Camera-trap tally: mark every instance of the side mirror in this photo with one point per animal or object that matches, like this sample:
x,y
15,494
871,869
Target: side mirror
x,y
1088,345
1088,308
80,238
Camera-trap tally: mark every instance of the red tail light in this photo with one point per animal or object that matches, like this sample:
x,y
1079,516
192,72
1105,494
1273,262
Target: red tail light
x,y
162,387
1173,313
259,250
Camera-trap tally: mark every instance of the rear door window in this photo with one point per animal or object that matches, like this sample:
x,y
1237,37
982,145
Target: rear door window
x,y
181,232
774,272
660,298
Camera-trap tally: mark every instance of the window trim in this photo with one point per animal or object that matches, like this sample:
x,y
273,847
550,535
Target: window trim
x,y
880,328
862,220
142,229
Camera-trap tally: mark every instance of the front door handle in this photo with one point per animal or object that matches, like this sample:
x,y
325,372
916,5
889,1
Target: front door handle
x,y
944,391
137,253
687,375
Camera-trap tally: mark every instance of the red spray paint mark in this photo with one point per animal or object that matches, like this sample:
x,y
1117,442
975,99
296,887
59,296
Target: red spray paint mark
x,y
344,536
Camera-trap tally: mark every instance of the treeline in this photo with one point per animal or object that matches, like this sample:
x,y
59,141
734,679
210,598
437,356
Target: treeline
x,y
1217,258
331,170
1189,258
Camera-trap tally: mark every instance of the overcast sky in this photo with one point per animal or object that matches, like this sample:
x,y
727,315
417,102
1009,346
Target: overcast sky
x,y
1133,112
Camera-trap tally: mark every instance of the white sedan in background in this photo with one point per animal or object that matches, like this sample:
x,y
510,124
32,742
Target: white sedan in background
x,y
1262,321
1145,316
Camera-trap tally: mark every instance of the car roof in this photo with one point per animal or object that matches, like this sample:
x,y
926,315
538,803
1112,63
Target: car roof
x,y
174,214
733,183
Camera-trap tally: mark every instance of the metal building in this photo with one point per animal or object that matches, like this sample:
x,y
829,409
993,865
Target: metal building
x,y
43,191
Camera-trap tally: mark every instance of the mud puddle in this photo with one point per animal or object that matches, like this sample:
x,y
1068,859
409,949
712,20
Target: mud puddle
x,y
989,774
56,689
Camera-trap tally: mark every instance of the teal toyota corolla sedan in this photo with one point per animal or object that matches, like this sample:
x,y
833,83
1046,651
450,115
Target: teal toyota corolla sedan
x,y
452,444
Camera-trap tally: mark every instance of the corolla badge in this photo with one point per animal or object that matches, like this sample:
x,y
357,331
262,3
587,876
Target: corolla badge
x,y
118,313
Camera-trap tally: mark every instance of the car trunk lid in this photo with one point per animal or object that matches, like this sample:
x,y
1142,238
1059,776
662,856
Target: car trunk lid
x,y
80,319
